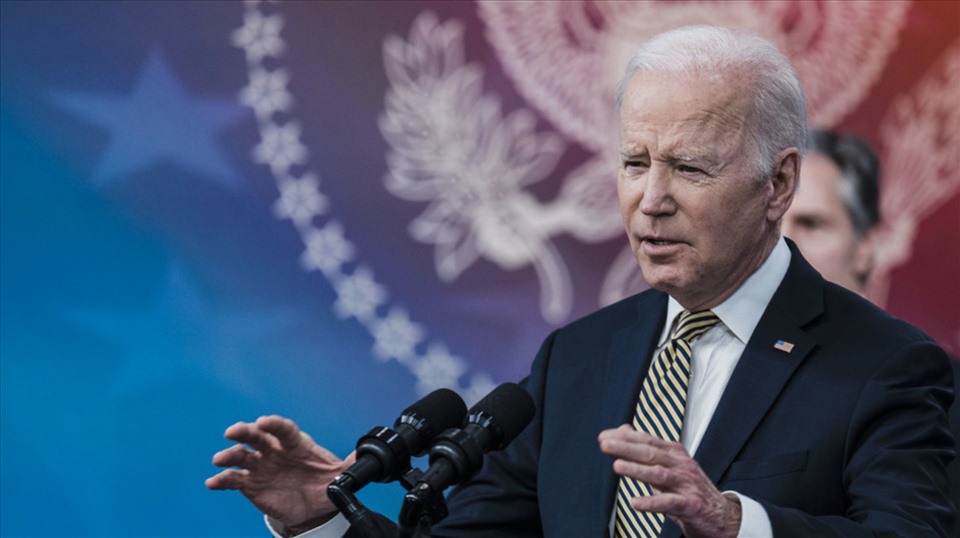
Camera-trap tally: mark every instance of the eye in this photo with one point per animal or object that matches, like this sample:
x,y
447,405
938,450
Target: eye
x,y
635,165
690,170
808,222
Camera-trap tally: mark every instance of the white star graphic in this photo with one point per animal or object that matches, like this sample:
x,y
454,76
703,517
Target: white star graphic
x,y
396,337
438,369
157,122
359,295
301,200
267,92
260,36
327,249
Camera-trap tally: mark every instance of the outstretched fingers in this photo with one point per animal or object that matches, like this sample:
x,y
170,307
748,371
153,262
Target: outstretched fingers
x,y
641,453
283,430
251,434
663,502
279,468
681,489
237,456
228,479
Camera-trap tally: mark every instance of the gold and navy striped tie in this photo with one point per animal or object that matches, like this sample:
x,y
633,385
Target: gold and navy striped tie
x,y
659,412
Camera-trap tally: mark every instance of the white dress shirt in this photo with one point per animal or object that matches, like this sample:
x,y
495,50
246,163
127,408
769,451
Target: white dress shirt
x,y
715,355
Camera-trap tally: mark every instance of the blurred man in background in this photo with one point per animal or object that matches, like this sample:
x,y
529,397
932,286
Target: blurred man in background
x,y
835,213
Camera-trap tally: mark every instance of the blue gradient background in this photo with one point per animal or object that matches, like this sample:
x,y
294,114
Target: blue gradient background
x,y
150,298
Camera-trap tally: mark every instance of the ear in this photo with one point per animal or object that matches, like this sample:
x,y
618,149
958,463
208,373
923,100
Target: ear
x,y
784,180
864,256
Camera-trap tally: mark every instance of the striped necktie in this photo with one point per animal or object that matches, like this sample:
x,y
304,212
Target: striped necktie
x,y
659,412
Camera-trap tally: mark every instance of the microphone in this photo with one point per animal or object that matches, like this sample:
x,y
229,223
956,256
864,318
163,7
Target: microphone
x,y
457,454
383,454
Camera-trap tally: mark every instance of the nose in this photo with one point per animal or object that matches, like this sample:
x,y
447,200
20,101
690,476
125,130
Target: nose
x,y
657,196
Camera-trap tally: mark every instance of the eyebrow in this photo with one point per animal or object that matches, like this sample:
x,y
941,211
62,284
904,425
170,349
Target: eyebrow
x,y
691,158
627,155
711,163
708,163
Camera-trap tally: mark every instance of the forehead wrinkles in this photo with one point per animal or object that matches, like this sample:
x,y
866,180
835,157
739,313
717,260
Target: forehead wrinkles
x,y
672,113
714,134
706,133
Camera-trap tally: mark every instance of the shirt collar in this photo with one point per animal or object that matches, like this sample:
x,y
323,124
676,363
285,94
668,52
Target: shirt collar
x,y
742,311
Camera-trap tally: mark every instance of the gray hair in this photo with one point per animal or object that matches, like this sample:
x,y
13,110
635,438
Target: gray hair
x,y
859,175
780,105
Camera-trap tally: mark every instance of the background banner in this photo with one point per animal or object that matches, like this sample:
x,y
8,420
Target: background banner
x,y
217,210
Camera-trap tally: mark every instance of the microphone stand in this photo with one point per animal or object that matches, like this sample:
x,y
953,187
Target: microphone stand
x,y
421,507
420,511
342,493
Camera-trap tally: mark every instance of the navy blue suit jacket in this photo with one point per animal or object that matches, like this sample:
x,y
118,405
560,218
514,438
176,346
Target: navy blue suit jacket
x,y
845,436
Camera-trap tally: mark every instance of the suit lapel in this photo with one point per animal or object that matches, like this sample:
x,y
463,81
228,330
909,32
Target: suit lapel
x,y
626,366
755,384
762,371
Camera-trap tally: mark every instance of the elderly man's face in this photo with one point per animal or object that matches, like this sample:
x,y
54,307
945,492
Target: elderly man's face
x,y
699,218
820,225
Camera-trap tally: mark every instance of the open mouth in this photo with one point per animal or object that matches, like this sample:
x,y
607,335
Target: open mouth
x,y
658,246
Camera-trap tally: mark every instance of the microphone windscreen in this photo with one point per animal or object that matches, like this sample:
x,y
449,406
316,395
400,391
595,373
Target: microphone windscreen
x,y
510,406
438,411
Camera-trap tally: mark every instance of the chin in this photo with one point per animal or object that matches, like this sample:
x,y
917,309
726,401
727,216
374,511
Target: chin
x,y
661,280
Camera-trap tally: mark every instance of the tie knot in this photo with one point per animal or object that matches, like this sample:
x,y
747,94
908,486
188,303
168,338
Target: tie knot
x,y
693,324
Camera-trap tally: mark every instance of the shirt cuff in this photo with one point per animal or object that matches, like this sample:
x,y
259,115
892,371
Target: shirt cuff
x,y
754,521
335,528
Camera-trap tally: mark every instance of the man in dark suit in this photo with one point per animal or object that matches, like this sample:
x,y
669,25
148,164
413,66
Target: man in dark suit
x,y
808,411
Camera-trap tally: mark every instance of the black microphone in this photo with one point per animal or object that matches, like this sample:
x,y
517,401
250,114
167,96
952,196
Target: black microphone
x,y
457,455
383,455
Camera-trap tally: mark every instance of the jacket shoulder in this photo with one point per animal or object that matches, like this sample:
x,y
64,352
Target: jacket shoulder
x,y
609,319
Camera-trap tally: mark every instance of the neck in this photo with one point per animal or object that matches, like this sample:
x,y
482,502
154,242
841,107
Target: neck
x,y
753,262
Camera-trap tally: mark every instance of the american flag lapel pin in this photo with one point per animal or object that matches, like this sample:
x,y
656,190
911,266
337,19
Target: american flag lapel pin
x,y
784,346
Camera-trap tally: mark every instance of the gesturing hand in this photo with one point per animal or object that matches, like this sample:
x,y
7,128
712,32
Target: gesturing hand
x,y
280,469
681,490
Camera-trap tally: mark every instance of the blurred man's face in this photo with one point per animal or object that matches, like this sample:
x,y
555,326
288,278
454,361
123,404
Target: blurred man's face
x,y
699,218
820,225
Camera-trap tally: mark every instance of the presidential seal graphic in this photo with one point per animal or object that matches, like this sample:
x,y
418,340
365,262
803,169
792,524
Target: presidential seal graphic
x,y
487,190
